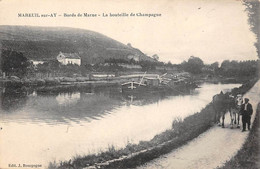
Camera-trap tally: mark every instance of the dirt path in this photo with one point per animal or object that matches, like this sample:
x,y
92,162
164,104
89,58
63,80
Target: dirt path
x,y
211,149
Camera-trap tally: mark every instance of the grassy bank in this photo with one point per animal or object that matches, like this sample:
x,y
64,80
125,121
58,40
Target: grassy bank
x,y
54,81
248,156
135,154
51,81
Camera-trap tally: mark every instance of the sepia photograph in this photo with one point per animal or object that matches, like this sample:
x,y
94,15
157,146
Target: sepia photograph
x,y
128,84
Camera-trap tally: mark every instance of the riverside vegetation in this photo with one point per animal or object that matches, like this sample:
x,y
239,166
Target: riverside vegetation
x,y
18,70
135,154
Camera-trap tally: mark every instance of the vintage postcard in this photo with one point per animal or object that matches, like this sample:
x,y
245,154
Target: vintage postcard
x,y
170,84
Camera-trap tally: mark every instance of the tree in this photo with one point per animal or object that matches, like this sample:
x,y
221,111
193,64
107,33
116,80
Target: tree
x,y
194,65
147,65
43,68
169,64
14,63
214,66
235,68
51,66
129,44
155,57
54,65
225,64
253,9
70,69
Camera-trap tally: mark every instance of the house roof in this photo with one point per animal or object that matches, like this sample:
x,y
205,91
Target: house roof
x,y
70,55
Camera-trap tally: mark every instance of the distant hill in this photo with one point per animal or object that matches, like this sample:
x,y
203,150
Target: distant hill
x,y
46,42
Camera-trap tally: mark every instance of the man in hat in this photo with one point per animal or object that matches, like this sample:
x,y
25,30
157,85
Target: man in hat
x,y
246,112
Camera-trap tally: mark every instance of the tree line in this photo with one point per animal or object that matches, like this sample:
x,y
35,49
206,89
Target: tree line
x,y
227,68
15,63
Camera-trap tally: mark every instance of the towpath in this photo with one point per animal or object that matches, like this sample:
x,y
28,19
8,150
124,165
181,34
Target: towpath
x,y
212,148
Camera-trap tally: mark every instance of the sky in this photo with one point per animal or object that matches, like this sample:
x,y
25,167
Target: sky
x,y
214,30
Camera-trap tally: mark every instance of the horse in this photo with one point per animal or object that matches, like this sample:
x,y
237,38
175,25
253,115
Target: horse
x,y
232,108
221,104
236,112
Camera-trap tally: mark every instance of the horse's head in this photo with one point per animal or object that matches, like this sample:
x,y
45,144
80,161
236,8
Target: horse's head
x,y
231,96
239,95
239,99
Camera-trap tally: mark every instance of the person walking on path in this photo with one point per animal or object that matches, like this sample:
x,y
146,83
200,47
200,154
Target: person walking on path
x,y
246,112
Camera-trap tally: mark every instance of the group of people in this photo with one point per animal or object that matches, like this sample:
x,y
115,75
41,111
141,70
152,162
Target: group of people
x,y
223,103
245,110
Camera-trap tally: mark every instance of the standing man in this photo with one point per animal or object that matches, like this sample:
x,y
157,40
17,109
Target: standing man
x,y
246,111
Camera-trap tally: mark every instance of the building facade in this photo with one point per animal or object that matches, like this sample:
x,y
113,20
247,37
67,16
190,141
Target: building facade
x,y
69,58
36,62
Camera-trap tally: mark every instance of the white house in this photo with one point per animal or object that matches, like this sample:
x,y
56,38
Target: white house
x,y
36,62
69,58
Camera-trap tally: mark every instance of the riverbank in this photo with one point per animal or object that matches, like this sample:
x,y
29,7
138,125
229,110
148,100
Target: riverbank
x,y
55,81
248,156
220,79
56,84
212,148
135,154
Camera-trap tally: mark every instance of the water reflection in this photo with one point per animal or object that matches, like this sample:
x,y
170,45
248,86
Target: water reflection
x,y
12,100
59,106
66,103
70,121
63,104
68,98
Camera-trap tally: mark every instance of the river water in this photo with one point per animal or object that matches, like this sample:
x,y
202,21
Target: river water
x,y
41,127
